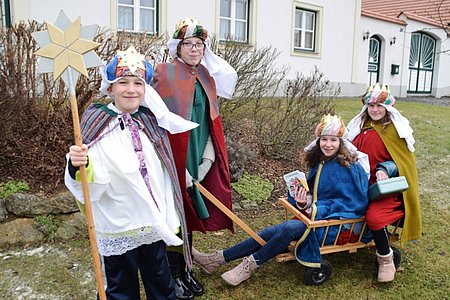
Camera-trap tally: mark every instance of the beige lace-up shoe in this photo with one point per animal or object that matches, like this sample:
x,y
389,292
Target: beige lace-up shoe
x,y
208,262
241,272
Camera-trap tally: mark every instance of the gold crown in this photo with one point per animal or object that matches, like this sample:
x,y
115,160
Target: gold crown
x,y
187,21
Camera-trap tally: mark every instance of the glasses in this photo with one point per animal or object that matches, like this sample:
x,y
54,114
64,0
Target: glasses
x,y
189,46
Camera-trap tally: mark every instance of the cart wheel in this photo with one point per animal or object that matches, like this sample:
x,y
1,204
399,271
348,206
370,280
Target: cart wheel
x,y
317,276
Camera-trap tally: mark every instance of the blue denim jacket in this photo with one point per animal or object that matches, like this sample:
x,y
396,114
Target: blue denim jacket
x,y
389,167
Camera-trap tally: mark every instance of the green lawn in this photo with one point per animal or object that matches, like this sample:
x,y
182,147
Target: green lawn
x,y
425,263
64,271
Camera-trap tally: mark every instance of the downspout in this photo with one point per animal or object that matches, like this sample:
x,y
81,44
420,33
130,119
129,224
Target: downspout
x,y
356,30
404,66
7,13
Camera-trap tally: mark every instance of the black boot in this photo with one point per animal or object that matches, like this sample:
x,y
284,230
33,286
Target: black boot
x,y
193,284
181,290
188,277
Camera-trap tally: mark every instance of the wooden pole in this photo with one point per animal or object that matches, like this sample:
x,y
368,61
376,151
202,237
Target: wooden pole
x,y
230,214
87,200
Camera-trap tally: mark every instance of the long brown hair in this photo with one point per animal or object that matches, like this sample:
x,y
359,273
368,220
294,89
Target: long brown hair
x,y
342,156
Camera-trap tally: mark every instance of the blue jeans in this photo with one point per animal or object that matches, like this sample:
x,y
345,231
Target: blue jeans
x,y
278,237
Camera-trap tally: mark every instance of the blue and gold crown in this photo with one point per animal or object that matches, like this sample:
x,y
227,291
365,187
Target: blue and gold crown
x,y
129,63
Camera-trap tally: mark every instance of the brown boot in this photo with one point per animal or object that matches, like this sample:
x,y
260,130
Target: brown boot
x,y
208,262
241,272
386,267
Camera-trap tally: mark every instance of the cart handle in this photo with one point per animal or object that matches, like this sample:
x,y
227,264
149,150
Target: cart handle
x,y
314,224
230,214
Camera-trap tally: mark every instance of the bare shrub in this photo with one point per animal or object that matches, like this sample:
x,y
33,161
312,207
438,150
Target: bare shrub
x,y
285,124
258,75
36,128
284,120
240,154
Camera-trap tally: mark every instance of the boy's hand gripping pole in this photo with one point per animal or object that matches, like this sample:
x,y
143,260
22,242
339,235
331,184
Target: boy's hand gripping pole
x,y
66,50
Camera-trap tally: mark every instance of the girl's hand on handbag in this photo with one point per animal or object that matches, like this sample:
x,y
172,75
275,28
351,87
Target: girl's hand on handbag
x,y
381,175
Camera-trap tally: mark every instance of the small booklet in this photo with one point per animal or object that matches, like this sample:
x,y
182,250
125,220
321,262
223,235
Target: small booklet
x,y
294,179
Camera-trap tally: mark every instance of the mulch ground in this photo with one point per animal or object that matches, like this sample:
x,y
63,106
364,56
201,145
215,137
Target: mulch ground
x,y
264,166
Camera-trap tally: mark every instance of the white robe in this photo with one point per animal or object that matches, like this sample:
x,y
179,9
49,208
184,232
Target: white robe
x,y
125,215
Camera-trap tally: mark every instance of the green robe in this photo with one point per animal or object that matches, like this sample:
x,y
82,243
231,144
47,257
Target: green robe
x,y
196,147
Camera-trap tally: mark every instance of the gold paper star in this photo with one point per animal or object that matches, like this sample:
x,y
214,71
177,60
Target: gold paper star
x,y
131,59
67,48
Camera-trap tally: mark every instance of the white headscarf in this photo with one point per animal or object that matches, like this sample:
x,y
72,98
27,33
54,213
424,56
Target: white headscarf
x,y
401,124
166,119
225,76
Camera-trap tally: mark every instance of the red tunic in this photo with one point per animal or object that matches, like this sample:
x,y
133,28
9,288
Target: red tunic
x,y
175,82
383,212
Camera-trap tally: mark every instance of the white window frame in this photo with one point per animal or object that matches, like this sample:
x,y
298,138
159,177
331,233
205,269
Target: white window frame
x,y
233,20
303,30
137,15
306,8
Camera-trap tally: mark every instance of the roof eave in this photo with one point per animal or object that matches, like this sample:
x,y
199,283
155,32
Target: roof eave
x,y
374,15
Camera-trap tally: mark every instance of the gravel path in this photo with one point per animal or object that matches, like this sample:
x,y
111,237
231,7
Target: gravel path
x,y
444,101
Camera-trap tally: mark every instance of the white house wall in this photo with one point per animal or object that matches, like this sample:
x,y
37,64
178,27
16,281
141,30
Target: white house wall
x,y
336,54
203,10
342,56
441,75
390,54
91,12
272,24
441,82
398,54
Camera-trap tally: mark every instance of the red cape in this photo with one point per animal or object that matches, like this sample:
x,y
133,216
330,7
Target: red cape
x,y
175,82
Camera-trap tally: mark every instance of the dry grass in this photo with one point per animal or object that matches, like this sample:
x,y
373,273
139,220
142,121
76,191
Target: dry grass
x,y
64,271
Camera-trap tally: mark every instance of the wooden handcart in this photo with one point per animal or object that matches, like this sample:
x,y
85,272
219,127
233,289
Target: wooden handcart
x,y
317,276
312,276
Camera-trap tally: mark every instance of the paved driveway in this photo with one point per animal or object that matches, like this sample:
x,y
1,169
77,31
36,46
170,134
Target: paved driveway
x,y
444,101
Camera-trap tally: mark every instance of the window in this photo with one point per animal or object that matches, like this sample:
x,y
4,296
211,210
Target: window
x,y
234,20
137,15
5,13
373,66
304,29
306,32
421,63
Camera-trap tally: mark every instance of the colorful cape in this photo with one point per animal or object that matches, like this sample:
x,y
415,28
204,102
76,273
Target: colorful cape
x,y
338,193
406,164
97,117
175,82
388,210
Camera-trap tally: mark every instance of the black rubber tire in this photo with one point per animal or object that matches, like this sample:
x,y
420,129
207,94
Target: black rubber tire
x,y
317,276
397,257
